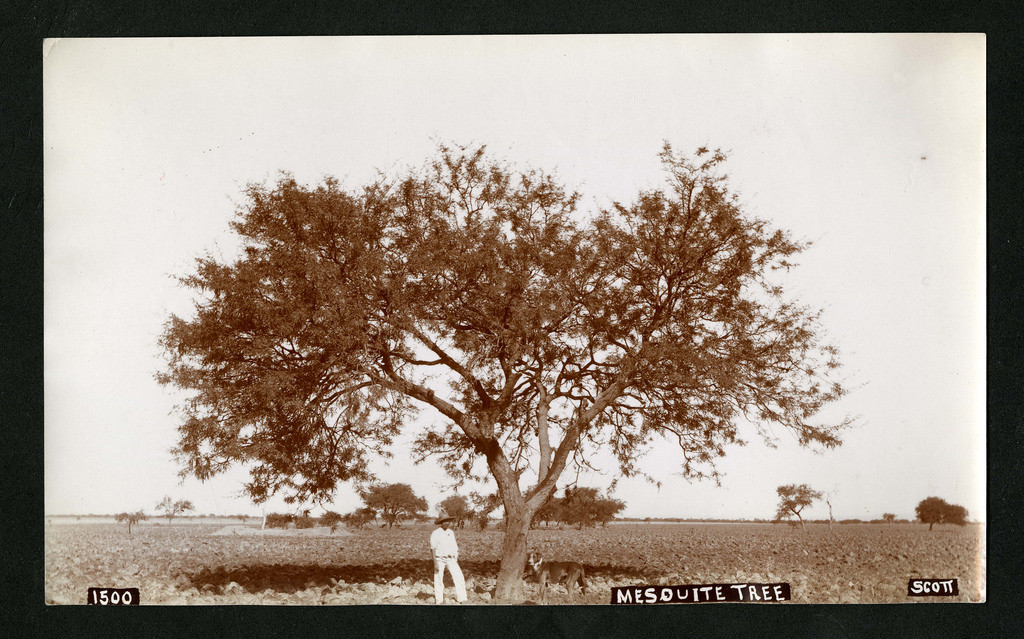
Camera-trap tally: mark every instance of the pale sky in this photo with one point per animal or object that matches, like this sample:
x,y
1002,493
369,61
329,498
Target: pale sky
x,y
872,146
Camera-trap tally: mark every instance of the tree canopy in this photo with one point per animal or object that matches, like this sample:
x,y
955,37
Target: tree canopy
x,y
550,511
393,502
793,499
483,506
933,510
130,518
458,508
174,508
538,332
359,517
331,519
586,507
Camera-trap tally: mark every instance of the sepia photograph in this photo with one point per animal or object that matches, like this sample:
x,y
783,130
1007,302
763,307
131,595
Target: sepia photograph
x,y
510,320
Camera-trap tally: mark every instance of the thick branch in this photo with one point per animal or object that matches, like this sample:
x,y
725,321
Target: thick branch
x,y
543,403
397,383
569,442
451,363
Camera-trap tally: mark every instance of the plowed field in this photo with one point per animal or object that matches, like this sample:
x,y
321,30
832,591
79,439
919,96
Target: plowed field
x,y
191,564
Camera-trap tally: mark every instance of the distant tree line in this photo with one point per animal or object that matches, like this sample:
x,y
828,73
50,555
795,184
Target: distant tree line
x,y
395,503
389,505
581,507
793,499
303,520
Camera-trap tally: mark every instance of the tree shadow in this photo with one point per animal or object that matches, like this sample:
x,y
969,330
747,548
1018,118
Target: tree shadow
x,y
291,578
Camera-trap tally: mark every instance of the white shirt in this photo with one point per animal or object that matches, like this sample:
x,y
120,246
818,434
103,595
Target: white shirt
x,y
442,542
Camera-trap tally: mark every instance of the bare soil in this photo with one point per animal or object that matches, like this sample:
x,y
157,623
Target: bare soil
x,y
256,531
216,565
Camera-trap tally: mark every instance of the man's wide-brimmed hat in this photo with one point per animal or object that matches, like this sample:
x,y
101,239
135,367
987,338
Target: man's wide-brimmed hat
x,y
442,516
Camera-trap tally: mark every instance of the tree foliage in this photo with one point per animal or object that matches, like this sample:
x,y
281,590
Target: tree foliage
x,y
359,517
551,511
130,518
279,520
793,499
483,506
538,332
933,510
586,507
393,502
174,508
956,515
331,519
889,518
458,508
304,520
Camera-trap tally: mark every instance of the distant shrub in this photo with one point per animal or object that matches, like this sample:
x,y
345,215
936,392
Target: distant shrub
x,y
331,519
359,518
393,502
279,520
305,521
130,518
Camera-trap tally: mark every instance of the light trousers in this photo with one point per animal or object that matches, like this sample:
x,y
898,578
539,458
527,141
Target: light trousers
x,y
452,564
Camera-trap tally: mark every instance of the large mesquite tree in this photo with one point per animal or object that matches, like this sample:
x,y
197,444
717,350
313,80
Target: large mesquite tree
x,y
540,334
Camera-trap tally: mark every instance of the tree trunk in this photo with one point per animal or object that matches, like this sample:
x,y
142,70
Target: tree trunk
x,y
518,513
513,555
930,524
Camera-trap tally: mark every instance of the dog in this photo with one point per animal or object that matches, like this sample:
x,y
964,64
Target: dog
x,y
554,572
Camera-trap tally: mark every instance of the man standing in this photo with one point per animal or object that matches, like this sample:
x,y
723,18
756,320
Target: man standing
x,y
445,553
